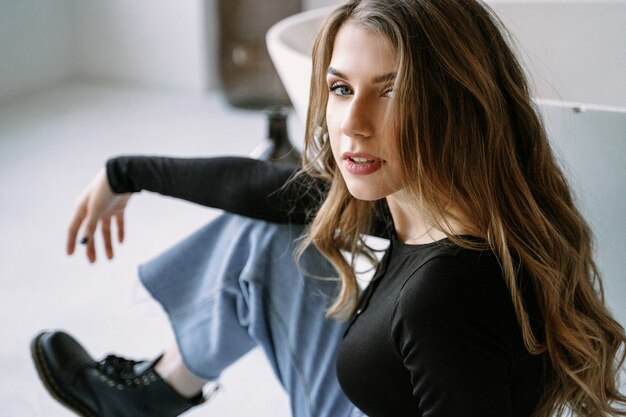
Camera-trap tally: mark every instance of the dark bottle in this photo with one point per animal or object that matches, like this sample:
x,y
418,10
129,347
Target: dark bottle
x,y
276,146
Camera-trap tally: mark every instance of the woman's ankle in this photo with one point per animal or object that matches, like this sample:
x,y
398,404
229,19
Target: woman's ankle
x,y
171,368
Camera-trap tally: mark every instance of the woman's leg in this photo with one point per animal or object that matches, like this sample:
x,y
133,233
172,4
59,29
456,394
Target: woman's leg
x,y
229,287
173,370
234,285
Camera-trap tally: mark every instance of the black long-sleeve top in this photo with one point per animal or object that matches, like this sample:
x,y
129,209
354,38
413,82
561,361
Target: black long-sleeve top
x,y
435,333
245,186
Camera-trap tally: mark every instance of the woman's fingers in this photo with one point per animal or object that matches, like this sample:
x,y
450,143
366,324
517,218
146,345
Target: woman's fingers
x,y
106,236
89,230
119,219
96,207
91,249
77,219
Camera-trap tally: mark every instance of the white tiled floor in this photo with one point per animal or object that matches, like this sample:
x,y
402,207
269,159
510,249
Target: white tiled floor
x,y
51,144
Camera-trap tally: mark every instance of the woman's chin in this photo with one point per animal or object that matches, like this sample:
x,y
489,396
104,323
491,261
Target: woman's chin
x,y
366,194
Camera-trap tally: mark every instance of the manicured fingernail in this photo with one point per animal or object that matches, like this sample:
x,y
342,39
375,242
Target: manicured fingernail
x,y
84,240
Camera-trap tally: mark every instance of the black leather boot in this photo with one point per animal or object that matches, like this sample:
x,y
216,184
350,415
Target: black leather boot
x,y
112,387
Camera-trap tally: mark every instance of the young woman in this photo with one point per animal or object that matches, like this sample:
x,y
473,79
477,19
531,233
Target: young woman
x,y
420,128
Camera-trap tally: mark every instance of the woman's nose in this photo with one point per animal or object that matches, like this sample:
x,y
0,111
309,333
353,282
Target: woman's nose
x,y
358,119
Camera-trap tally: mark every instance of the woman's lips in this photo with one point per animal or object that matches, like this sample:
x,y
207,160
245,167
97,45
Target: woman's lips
x,y
361,163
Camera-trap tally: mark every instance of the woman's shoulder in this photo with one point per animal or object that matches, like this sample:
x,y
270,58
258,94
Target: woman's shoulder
x,y
444,263
454,284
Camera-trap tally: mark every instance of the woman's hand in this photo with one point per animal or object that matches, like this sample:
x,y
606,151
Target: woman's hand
x,y
97,204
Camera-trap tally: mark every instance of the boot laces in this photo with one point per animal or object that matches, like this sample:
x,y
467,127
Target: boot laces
x,y
117,368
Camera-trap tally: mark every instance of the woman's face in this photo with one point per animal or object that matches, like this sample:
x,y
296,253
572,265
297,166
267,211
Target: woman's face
x,y
360,79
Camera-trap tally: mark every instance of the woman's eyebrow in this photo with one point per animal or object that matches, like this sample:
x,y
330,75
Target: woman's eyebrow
x,y
332,71
390,76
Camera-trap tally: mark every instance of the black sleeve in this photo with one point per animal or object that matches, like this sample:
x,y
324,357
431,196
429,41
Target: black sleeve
x,y
454,333
244,186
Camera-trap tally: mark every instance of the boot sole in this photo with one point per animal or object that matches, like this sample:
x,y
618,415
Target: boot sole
x,y
51,385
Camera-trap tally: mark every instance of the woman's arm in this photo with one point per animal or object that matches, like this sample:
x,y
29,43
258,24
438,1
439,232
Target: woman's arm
x,y
239,185
245,186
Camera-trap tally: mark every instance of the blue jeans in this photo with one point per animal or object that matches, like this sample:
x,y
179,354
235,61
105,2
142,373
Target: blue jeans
x,y
234,285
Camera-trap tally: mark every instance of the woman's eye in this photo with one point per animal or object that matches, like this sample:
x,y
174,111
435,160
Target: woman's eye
x,y
389,92
340,90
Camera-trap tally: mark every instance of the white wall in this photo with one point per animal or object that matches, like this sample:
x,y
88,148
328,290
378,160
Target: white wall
x,y
574,50
34,44
591,148
154,43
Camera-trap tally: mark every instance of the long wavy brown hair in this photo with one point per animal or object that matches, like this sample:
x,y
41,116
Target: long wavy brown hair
x,y
470,139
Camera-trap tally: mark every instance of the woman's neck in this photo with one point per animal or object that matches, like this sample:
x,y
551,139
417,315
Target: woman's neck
x,y
411,227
